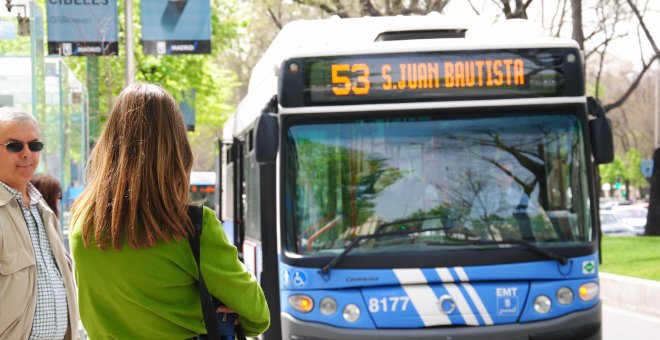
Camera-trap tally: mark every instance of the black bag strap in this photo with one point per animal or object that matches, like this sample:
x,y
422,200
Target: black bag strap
x,y
208,310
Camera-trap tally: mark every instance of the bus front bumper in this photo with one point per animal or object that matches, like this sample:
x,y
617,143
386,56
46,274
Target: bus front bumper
x,y
579,325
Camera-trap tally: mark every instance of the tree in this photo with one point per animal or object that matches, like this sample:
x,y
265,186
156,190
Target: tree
x,y
179,74
605,24
345,9
518,12
578,33
625,170
653,218
612,18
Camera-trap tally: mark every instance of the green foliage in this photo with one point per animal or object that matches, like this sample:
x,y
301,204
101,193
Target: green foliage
x,y
337,182
609,173
179,74
595,90
624,168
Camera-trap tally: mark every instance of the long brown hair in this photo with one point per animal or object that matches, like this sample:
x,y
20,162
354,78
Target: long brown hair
x,y
138,173
50,189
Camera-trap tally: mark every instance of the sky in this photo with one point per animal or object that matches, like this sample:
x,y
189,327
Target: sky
x,y
626,48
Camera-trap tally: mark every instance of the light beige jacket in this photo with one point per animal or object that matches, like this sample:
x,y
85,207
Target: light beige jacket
x,y
18,273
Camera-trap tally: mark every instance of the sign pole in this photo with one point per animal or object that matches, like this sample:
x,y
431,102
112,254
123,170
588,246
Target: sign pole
x,y
130,58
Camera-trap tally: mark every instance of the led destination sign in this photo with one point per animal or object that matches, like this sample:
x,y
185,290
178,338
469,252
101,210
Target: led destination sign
x,y
410,77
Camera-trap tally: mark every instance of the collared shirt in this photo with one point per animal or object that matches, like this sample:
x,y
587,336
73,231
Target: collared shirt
x,y
51,314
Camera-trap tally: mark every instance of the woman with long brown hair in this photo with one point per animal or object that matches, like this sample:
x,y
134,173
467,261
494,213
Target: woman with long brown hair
x,y
135,269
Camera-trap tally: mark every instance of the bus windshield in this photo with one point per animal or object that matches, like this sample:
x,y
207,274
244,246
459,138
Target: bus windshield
x,y
469,179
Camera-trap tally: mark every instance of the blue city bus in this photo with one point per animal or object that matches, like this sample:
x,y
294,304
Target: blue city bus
x,y
403,177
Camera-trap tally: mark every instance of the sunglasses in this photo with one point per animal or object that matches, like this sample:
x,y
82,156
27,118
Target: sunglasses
x,y
16,147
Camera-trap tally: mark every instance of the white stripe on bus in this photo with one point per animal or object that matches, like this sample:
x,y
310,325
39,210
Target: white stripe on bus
x,y
421,296
445,275
409,276
462,276
457,297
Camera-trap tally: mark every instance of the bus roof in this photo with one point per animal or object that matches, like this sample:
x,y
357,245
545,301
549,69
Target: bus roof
x,y
335,36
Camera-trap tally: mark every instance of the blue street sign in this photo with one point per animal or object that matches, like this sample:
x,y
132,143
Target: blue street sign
x,y
176,27
647,168
82,28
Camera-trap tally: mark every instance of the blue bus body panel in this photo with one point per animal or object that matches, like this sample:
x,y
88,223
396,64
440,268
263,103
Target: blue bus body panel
x,y
343,297
417,306
428,297
548,288
310,278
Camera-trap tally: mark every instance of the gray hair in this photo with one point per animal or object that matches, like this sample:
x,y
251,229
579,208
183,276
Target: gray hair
x,y
9,114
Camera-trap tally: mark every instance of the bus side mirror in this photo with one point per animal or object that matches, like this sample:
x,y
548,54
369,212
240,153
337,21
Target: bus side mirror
x,y
267,139
600,129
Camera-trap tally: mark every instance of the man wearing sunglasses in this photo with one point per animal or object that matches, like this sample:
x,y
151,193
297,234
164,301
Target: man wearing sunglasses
x,y
37,288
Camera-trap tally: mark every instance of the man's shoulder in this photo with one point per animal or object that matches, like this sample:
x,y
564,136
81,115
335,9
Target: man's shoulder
x,y
5,195
44,207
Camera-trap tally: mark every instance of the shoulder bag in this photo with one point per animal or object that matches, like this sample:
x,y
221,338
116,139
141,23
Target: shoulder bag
x,y
219,326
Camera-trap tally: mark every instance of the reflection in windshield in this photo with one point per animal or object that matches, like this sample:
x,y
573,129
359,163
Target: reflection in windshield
x,y
505,178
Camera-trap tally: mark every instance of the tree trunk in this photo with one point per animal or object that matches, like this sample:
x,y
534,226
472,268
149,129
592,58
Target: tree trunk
x,y
578,34
653,218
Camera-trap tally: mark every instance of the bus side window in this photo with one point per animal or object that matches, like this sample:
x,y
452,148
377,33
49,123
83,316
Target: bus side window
x,y
229,172
251,208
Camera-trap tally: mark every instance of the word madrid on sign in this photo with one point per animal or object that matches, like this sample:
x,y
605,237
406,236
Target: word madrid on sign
x,y
82,27
176,27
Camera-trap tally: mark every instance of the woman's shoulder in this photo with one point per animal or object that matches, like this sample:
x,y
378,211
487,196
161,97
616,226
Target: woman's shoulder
x,y
209,216
212,228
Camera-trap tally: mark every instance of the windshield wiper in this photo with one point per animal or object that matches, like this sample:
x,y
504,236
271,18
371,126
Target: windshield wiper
x,y
527,245
325,269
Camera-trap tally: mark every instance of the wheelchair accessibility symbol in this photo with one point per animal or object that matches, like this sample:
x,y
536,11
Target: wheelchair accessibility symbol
x,y
299,278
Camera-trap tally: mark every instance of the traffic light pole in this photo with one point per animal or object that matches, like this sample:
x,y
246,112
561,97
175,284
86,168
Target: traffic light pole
x,y
657,108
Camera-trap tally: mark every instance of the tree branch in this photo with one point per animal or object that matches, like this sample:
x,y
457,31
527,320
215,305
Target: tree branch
x,y
341,10
561,4
473,8
632,87
604,42
646,30
275,20
439,6
506,8
367,8
325,8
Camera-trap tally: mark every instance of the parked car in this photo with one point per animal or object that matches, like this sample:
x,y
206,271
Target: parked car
x,y
611,224
633,216
607,202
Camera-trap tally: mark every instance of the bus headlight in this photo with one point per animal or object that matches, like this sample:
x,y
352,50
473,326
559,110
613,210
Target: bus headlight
x,y
328,306
588,291
351,312
542,304
564,295
301,303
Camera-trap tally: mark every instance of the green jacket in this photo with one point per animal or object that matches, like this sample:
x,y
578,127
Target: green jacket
x,y
152,293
